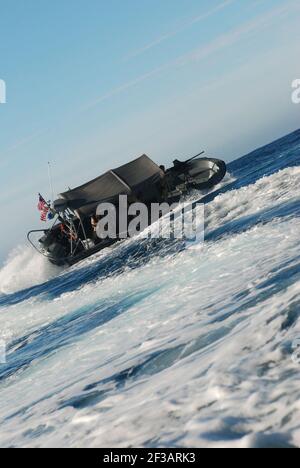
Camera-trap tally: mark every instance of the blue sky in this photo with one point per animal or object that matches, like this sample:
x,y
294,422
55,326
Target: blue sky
x,y
92,84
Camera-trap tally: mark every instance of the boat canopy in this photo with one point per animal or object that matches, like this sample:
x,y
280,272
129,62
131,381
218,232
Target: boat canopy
x,y
140,180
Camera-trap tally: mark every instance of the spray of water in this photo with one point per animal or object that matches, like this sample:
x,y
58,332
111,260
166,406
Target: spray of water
x,y
25,268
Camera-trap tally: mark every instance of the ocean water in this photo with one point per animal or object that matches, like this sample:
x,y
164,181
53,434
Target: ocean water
x,y
159,344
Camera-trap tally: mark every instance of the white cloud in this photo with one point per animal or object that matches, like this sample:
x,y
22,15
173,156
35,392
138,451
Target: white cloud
x,y
224,41
180,29
125,86
235,35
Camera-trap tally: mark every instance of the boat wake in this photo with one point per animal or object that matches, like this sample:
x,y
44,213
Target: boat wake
x,y
161,343
23,269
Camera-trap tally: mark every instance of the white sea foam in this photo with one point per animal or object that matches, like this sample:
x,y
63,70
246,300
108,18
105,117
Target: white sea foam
x,y
23,269
208,345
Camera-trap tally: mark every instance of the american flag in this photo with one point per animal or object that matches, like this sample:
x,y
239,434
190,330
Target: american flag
x,y
43,208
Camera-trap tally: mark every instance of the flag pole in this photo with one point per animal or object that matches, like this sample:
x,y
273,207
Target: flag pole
x,y
50,180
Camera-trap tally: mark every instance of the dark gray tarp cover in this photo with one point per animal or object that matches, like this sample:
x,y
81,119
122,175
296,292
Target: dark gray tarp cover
x,y
139,179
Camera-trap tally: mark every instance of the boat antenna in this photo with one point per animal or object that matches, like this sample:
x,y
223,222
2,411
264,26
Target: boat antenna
x,y
50,180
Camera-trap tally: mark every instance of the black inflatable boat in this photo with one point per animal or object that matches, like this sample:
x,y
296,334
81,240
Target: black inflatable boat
x,y
71,238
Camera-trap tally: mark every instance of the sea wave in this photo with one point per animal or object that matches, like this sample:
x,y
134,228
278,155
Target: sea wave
x,y
166,344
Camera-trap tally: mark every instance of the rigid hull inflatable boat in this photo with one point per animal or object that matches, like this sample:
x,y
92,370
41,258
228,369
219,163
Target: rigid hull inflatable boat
x,y
71,237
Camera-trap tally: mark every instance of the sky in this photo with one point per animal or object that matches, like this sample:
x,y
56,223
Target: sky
x,y
92,84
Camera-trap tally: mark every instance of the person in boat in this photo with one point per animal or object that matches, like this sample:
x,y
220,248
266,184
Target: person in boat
x,y
68,233
94,223
164,184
